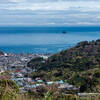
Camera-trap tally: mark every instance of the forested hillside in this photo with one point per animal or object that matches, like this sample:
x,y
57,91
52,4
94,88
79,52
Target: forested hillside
x,y
79,65
83,56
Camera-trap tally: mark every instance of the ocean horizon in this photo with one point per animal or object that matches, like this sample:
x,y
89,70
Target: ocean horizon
x,y
44,39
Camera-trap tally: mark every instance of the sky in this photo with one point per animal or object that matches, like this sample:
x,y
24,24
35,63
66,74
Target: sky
x,y
49,12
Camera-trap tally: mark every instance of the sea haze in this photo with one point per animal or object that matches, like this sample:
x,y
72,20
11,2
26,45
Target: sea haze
x,y
44,39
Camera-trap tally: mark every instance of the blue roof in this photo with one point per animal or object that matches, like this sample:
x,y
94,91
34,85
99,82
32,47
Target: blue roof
x,y
61,81
19,84
49,82
31,86
17,79
39,80
13,79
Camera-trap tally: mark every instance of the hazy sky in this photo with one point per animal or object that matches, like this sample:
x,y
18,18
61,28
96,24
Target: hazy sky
x,y
50,12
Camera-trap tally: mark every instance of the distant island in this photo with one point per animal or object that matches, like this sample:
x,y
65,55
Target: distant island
x,y
64,32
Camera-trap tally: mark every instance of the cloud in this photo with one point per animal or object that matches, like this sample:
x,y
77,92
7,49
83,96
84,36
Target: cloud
x,y
38,1
18,1
80,5
49,12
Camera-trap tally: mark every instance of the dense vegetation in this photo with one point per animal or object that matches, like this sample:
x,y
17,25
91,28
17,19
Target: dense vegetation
x,y
75,65
83,56
8,88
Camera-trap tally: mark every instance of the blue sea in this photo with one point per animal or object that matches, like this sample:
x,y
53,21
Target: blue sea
x,y
44,39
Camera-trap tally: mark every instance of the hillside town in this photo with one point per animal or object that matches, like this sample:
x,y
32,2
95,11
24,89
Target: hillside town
x,y
16,64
